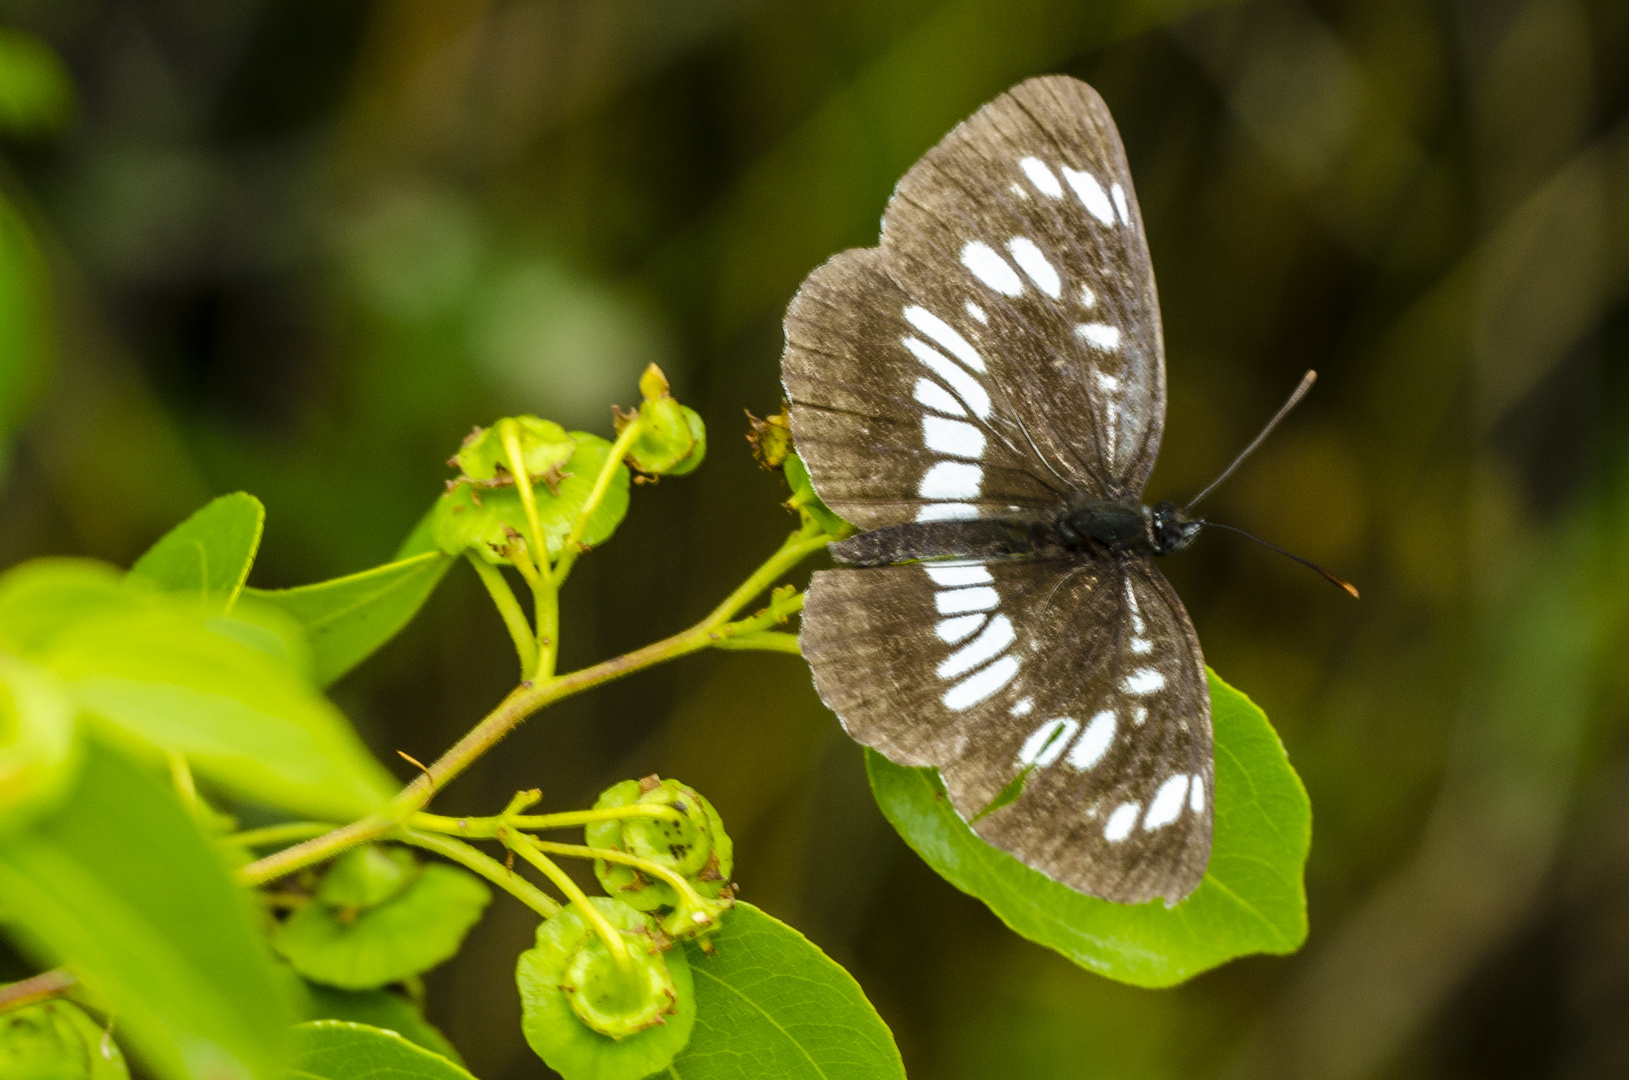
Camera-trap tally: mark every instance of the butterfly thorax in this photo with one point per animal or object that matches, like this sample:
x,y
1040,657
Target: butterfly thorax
x,y
1084,526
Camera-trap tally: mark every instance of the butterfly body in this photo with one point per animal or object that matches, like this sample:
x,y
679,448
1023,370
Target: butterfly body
x,y
983,395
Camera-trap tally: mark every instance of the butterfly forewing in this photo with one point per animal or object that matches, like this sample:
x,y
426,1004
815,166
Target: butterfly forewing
x,y
1081,675
1001,346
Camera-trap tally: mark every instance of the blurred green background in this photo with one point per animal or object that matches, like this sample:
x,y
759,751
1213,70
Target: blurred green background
x,y
300,247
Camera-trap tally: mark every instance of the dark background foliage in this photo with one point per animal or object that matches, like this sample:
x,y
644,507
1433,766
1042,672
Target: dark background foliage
x,y
301,247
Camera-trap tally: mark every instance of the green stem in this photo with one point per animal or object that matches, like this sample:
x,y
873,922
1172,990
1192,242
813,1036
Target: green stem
x,y
765,641
525,700
509,434
546,603
514,619
602,483
562,881
487,828
488,867
680,884
278,834
41,987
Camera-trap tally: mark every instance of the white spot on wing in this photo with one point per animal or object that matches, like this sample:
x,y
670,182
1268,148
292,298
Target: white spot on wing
x,y
954,437
987,646
960,601
951,480
1141,646
1094,742
1167,804
948,576
977,312
945,336
938,398
1196,795
981,684
1102,335
1142,682
1041,176
1018,191
1118,194
953,630
1023,707
967,387
1088,299
1033,262
1046,742
1091,194
947,511
991,268
1120,822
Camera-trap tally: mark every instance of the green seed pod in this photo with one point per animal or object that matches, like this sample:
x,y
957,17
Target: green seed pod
x,y
808,503
672,440
486,519
588,1017
39,753
544,449
693,845
367,876
55,1040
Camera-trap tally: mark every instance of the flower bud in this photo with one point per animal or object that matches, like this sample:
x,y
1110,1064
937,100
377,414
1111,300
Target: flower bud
x,y
544,449
672,439
771,438
691,842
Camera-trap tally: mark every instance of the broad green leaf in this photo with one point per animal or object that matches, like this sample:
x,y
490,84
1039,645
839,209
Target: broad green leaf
x,y
27,337
43,598
769,1003
347,618
468,518
36,92
120,886
55,1040
552,1026
207,557
1251,900
39,753
161,677
411,932
339,1050
380,1009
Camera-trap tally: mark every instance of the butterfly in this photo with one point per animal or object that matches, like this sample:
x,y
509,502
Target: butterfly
x,y
983,394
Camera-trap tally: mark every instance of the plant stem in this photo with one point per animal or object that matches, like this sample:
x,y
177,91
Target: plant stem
x,y
655,870
509,433
765,641
514,619
487,828
546,605
525,700
37,988
562,881
488,867
278,834
602,483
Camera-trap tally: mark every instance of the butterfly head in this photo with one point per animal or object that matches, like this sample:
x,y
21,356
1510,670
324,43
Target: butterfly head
x,y
1169,530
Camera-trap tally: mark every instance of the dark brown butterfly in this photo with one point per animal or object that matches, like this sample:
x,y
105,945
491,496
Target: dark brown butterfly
x,y
984,393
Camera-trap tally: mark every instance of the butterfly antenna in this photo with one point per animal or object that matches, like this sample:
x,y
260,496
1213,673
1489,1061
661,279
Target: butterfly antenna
x,y
1300,392
1331,578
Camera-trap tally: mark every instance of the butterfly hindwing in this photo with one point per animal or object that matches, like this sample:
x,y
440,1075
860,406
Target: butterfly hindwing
x,y
1083,675
1001,346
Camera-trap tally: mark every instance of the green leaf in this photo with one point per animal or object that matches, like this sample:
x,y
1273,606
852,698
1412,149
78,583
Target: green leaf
x,y
43,598
554,1030
769,1003
120,886
27,334
1251,900
338,1050
161,677
36,92
55,1040
467,518
39,753
207,557
411,932
380,1009
347,618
